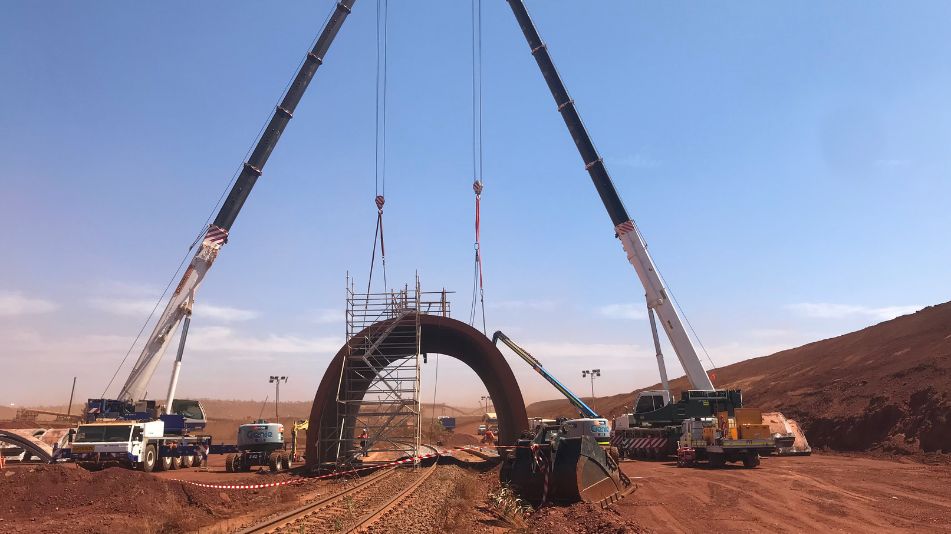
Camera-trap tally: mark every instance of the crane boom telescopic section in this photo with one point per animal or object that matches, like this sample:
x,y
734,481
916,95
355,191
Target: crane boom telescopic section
x,y
181,301
624,227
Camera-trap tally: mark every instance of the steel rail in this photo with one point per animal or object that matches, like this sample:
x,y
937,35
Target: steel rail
x,y
368,520
285,519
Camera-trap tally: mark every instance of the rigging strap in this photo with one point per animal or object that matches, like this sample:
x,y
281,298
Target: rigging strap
x,y
478,288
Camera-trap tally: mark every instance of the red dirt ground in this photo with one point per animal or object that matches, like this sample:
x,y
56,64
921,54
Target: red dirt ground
x,y
51,498
819,493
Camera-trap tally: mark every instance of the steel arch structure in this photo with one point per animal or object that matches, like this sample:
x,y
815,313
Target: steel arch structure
x,y
439,335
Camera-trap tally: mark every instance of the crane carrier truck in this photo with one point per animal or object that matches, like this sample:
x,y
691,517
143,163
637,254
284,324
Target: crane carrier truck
x,y
150,445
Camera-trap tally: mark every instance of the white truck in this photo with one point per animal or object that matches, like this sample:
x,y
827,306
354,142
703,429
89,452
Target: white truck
x,y
136,444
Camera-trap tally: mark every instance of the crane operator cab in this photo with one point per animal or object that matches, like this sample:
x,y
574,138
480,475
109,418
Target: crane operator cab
x,y
650,400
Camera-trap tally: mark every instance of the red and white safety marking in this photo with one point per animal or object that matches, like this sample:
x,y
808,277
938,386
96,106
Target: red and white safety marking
x,y
239,486
302,480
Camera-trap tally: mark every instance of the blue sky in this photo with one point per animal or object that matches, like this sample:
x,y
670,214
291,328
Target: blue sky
x,y
788,165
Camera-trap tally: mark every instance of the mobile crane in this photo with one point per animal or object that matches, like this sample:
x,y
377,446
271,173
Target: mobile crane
x,y
704,397
180,304
138,432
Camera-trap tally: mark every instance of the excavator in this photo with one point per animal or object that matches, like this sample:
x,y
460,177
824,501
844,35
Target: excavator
x,y
575,452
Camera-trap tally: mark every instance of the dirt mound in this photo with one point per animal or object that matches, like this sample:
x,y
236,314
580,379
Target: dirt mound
x,y
45,497
581,518
884,388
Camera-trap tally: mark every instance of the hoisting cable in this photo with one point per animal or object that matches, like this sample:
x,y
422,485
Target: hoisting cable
x,y
713,366
380,146
478,287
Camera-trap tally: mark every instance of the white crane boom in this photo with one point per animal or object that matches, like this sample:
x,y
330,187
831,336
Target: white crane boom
x,y
180,303
659,301
624,227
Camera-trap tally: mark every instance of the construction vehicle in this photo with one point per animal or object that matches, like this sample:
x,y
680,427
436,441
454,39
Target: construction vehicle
x,y
654,427
260,444
576,451
300,425
491,420
741,437
153,445
159,435
535,422
781,427
659,303
447,422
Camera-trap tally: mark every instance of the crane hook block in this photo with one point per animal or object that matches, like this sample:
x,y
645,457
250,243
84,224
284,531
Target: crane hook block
x,y
477,187
379,202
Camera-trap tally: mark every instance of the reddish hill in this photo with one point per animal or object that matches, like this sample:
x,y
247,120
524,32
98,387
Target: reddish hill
x,y
886,387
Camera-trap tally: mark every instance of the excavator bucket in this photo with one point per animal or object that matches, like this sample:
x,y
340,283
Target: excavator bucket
x,y
583,471
523,472
567,471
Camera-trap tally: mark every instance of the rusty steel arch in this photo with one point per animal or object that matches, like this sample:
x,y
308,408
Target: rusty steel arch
x,y
438,335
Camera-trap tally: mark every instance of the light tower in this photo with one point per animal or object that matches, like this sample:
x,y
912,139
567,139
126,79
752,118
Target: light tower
x,y
593,373
276,380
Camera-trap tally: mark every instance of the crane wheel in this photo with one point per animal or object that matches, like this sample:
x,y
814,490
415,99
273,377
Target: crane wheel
x,y
164,463
196,460
187,461
274,462
175,462
149,459
751,460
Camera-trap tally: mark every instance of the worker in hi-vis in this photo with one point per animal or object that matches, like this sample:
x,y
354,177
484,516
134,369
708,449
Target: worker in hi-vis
x,y
364,440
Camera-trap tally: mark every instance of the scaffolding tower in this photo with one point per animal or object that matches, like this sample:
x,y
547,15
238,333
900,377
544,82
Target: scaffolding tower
x,y
379,382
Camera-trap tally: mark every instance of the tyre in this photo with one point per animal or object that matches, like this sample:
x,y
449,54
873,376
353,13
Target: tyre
x,y
149,459
716,460
274,461
197,460
229,463
164,463
175,461
186,461
751,460
288,461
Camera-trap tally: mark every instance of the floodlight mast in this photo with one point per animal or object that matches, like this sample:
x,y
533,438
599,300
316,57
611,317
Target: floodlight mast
x,y
276,380
624,228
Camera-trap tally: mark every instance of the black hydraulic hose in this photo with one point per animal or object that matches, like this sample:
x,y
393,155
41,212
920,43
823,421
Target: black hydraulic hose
x,y
282,115
566,106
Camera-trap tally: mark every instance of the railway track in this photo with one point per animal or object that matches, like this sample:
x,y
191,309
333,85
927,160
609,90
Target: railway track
x,y
354,509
